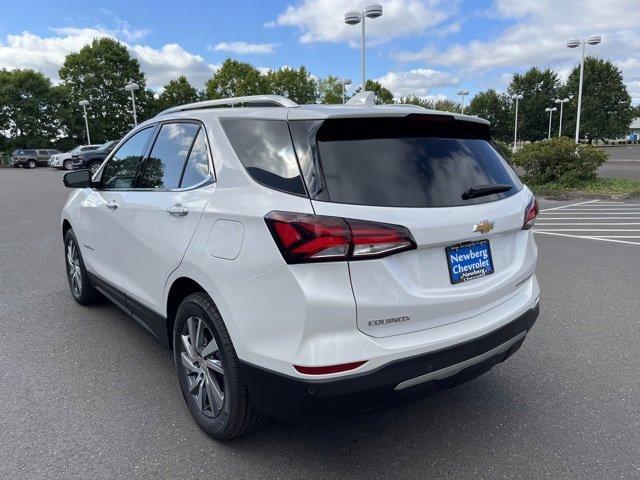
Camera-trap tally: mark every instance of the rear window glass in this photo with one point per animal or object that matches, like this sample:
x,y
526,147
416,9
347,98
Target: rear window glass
x,y
264,147
409,162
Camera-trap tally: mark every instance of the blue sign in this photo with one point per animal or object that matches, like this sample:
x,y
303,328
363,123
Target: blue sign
x,y
469,261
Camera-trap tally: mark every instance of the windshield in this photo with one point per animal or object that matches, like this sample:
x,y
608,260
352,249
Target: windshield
x,y
77,149
105,145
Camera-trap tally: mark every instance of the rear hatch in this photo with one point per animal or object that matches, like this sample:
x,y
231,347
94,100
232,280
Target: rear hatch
x,y
427,173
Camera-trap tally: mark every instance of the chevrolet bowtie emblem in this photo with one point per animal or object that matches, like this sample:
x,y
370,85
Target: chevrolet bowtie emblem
x,y
485,226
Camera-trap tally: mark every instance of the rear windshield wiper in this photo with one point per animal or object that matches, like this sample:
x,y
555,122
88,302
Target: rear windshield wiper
x,y
483,190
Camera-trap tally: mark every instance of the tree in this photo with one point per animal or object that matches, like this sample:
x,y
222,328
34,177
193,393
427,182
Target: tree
x,y
177,92
446,105
99,73
540,88
236,79
416,100
329,92
495,107
27,108
383,96
606,103
297,85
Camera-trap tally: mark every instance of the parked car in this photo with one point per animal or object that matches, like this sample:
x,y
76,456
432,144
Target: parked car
x,y
63,160
93,158
308,261
32,158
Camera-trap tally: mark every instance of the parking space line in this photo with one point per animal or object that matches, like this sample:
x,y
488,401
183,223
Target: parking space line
x,y
567,206
599,239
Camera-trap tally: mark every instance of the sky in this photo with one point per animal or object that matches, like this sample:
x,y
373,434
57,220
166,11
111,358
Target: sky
x,y
431,48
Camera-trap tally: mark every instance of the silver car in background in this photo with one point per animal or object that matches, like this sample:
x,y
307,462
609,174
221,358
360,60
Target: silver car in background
x,y
63,160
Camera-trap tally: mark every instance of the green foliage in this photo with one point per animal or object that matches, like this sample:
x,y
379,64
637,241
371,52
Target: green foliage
x,y
446,105
599,186
328,92
236,79
606,103
99,73
298,85
540,88
177,92
383,96
559,160
27,108
495,107
416,100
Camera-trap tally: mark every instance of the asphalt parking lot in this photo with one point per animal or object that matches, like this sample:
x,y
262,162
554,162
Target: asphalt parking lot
x,y
87,393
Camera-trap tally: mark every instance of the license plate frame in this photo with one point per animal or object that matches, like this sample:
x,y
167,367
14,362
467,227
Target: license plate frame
x,y
474,250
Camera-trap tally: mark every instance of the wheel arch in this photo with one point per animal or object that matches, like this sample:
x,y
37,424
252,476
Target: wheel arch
x,y
179,290
66,226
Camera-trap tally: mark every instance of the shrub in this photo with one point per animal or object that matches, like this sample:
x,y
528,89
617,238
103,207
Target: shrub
x,y
559,160
504,149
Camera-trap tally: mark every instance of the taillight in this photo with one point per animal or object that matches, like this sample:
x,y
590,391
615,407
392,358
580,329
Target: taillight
x,y
304,238
530,214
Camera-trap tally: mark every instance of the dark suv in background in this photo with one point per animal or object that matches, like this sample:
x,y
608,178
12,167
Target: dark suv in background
x,y
32,158
94,158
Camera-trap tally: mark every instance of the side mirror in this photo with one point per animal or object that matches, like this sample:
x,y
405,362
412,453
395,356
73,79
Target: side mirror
x,y
77,179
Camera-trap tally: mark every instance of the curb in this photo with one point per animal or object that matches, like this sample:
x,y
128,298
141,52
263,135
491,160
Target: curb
x,y
585,195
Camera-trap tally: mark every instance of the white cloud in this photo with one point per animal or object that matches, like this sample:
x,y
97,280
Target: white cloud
x,y
323,20
27,50
244,48
419,81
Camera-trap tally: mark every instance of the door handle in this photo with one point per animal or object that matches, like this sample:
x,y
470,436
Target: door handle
x,y
177,210
111,205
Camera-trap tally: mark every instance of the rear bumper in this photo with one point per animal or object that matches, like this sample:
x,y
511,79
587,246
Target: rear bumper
x,y
295,400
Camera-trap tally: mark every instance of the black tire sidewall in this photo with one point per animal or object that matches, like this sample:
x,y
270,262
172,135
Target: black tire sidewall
x,y
213,425
86,292
67,165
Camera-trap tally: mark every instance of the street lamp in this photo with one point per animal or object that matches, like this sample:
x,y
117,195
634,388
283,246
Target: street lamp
x,y
561,102
463,93
354,17
84,104
550,110
343,82
573,43
515,97
132,87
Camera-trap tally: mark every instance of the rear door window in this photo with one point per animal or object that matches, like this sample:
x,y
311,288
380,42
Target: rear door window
x,y
163,169
264,147
409,162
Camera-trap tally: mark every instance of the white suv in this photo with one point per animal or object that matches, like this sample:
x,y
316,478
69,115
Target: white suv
x,y
306,261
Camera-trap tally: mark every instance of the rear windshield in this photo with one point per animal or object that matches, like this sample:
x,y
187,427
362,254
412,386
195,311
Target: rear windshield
x,y
414,161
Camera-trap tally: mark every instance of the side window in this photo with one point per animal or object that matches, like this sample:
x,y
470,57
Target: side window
x,y
197,169
264,148
164,166
120,171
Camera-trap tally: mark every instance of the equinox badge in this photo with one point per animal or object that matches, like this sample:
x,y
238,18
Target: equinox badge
x,y
485,226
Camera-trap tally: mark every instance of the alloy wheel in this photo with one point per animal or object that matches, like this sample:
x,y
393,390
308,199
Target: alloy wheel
x,y
73,268
94,168
203,366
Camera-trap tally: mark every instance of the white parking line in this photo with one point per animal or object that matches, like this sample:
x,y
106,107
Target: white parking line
x,y
567,206
600,239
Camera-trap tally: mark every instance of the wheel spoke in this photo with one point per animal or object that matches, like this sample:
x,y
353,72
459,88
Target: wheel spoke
x,y
215,395
197,382
191,325
210,348
189,363
215,365
199,331
186,344
78,278
201,395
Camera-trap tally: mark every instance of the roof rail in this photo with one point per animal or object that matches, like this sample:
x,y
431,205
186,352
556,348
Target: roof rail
x,y
250,100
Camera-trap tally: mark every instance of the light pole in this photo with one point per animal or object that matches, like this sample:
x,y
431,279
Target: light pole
x,y
550,110
354,17
463,93
343,82
576,42
561,102
132,87
84,104
515,97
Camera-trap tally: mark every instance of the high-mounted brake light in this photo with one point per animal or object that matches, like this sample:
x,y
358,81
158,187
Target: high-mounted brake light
x,y
531,214
325,370
304,238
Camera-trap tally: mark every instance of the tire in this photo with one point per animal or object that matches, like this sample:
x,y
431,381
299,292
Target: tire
x,y
235,416
93,167
32,164
67,165
81,288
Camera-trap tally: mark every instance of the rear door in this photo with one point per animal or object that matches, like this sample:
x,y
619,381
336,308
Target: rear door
x,y
415,172
160,216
